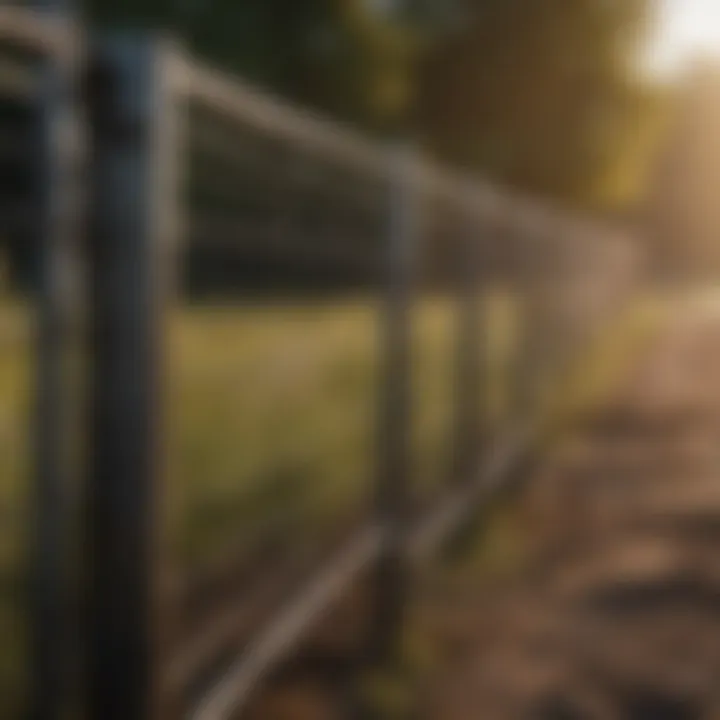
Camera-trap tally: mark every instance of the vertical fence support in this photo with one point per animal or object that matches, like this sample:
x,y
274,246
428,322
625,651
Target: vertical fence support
x,y
552,279
468,368
136,155
516,279
533,340
393,497
557,272
58,184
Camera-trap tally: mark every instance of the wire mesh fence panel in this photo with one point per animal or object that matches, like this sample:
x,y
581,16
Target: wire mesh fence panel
x,y
274,371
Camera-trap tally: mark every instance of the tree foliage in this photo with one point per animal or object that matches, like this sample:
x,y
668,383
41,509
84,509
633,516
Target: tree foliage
x,y
536,93
539,93
681,213
341,56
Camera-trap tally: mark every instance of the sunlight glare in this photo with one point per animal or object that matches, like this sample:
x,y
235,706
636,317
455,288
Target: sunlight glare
x,y
687,29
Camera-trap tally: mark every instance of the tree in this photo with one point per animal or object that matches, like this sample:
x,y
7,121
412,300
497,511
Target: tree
x,y
340,56
538,94
681,214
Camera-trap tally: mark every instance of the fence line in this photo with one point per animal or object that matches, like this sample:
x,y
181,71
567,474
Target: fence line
x,y
186,159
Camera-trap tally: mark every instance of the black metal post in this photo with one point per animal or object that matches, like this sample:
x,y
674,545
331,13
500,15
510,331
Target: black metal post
x,y
468,355
394,463
532,339
136,154
54,645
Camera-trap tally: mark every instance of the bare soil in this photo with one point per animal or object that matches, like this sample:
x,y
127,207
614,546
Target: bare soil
x,y
616,612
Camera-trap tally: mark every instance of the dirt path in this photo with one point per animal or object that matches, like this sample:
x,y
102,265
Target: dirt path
x,y
617,613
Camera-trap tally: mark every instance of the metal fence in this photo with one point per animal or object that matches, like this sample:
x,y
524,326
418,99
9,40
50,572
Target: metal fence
x,y
310,359
41,355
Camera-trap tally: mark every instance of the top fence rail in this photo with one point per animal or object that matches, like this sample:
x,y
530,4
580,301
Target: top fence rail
x,y
35,31
477,200
43,32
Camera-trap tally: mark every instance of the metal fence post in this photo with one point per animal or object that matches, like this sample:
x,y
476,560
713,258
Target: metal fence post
x,y
136,153
516,283
59,228
393,497
532,340
466,432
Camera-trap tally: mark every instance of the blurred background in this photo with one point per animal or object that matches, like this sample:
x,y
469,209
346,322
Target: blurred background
x,y
277,290
554,98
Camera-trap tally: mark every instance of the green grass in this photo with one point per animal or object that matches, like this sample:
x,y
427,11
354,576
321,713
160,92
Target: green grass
x,y
270,425
432,386
266,406
271,421
281,414
15,399
275,407
271,416
602,364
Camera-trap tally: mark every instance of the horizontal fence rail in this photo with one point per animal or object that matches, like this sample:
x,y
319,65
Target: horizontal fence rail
x,y
311,358
36,32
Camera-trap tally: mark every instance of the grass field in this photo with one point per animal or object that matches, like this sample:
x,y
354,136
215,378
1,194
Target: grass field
x,y
271,413
271,429
15,398
271,425
281,414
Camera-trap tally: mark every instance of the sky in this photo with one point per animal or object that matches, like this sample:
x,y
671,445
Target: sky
x,y
686,29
